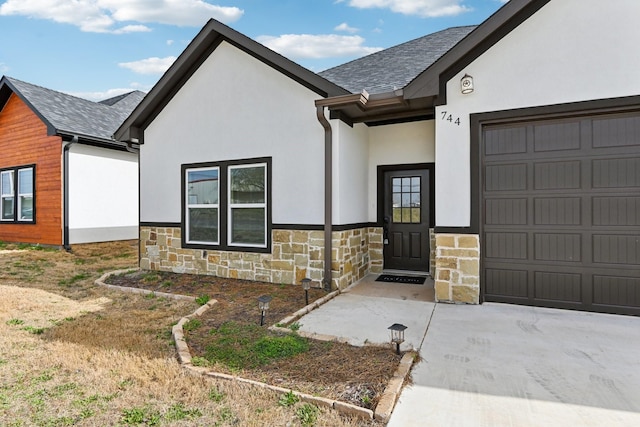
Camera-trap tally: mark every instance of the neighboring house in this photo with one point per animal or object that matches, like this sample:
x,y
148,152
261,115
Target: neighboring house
x,y
64,180
503,159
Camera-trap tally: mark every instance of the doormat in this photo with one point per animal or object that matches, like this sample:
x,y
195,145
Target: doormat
x,y
411,280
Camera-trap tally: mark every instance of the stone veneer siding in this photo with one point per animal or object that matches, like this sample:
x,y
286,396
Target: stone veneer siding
x,y
457,278
295,254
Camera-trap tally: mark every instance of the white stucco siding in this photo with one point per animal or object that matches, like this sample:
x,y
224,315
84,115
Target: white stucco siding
x,y
397,144
350,174
236,107
103,194
568,51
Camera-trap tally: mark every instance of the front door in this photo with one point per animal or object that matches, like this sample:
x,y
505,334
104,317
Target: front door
x,y
406,219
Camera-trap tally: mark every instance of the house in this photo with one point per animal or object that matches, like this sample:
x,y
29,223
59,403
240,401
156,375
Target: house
x,y
64,180
502,158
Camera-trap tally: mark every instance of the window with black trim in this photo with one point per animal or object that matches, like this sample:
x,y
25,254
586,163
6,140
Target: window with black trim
x,y
17,194
226,204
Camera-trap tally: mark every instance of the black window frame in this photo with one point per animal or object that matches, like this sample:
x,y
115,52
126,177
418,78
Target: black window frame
x,y
16,195
224,243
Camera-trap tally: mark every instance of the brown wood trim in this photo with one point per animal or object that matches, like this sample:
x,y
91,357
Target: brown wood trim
x,y
24,141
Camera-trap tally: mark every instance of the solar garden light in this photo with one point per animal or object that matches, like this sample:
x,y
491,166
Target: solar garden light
x,y
306,285
397,335
263,305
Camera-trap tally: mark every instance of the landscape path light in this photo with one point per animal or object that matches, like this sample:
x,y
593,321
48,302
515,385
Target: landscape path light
x,y
397,335
263,305
306,285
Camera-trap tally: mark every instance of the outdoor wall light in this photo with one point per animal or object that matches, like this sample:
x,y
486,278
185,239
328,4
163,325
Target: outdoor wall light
x,y
397,335
263,305
466,84
306,285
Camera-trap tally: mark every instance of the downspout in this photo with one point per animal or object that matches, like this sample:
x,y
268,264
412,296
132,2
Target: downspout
x,y
65,178
328,195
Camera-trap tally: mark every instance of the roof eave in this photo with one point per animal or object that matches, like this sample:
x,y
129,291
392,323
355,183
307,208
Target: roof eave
x,y
205,42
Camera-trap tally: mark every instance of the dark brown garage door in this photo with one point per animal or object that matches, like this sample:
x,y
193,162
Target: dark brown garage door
x,y
561,213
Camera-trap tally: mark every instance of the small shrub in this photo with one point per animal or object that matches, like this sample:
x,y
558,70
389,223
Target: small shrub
x,y
288,399
199,361
307,414
137,416
13,322
33,330
216,395
295,326
192,325
178,412
203,299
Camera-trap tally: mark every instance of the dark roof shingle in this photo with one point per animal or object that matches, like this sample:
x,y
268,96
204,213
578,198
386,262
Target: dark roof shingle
x,y
395,67
72,115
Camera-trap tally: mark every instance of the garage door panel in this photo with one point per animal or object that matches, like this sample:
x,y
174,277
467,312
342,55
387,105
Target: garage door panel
x,y
555,286
616,173
506,211
506,141
506,245
616,249
557,137
561,213
612,290
616,211
616,132
557,211
508,177
557,175
512,283
558,247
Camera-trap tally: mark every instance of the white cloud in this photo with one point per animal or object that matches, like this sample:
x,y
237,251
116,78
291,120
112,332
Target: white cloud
x,y
317,46
152,65
424,8
102,16
3,67
346,28
170,42
101,96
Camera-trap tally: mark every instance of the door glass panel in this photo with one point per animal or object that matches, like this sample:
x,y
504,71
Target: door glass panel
x,y
406,185
396,185
406,200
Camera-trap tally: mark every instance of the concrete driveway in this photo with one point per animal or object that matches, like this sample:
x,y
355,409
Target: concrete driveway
x,y
496,364
506,365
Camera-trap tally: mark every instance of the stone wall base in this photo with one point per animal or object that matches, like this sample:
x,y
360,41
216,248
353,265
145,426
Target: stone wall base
x,y
457,278
295,254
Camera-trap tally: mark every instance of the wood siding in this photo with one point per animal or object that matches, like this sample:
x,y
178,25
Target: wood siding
x,y
24,141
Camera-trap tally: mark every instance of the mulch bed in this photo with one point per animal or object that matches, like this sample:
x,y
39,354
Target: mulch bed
x,y
356,375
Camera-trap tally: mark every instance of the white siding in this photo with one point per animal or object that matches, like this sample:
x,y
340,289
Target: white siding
x,y
570,50
236,107
350,185
103,194
395,145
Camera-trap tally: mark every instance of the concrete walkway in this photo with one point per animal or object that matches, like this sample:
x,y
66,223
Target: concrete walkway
x,y
506,365
364,312
496,364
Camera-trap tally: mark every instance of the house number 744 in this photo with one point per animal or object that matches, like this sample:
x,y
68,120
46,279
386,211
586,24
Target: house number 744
x,y
449,118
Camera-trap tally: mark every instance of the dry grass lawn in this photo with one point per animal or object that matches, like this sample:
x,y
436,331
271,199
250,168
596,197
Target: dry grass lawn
x,y
75,354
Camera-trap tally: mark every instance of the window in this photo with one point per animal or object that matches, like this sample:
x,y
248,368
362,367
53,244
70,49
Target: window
x,y
17,195
226,205
406,200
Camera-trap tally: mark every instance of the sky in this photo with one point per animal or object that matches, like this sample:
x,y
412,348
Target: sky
x,y
97,49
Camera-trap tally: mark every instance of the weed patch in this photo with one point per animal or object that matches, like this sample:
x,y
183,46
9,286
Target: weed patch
x,y
245,346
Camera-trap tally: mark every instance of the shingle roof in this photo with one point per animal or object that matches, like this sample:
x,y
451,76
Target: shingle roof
x,y
395,67
72,115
